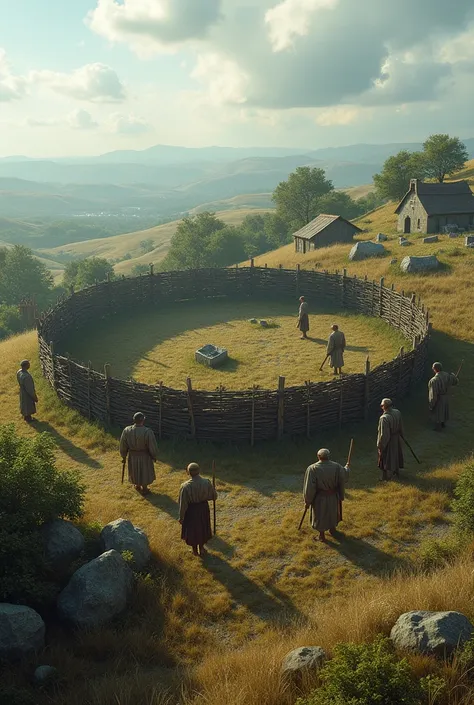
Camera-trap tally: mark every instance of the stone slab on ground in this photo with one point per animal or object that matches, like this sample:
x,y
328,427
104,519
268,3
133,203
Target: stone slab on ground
x,y
434,633
430,238
121,535
21,631
364,250
380,237
420,264
301,660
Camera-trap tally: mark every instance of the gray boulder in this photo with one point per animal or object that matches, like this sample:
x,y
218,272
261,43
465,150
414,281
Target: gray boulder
x,y
44,675
420,264
434,633
97,592
453,235
264,323
364,250
302,660
469,240
403,242
63,543
21,631
381,238
121,535
430,238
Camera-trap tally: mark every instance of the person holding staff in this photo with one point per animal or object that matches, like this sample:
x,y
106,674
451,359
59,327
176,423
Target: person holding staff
x,y
438,389
324,484
335,349
303,318
389,441
139,443
194,515
28,398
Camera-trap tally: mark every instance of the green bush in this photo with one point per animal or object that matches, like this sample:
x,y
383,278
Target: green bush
x,y
32,491
463,504
366,674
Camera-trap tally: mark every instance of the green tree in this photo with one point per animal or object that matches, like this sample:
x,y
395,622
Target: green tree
x,y
225,247
22,276
443,155
32,491
147,245
339,203
189,245
11,321
370,202
394,180
138,269
82,273
276,230
297,199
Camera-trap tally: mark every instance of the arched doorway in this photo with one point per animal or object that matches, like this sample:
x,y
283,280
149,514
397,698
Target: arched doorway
x,y
407,228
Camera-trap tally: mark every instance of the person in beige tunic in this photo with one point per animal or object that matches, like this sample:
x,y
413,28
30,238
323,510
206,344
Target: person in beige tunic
x,y
139,443
335,349
438,388
324,484
28,398
194,514
303,318
389,441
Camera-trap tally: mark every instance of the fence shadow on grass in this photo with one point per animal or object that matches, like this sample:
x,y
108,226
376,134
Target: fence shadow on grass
x,y
71,450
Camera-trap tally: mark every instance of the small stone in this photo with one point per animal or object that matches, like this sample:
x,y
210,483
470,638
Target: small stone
x,y
430,238
453,235
365,250
44,675
433,633
420,264
381,238
469,240
301,660
121,535
264,324
393,260
253,320
21,631
403,242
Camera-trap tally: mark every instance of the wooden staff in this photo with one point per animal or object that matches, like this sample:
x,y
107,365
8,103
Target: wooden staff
x,y
123,469
324,362
214,485
351,447
303,518
460,368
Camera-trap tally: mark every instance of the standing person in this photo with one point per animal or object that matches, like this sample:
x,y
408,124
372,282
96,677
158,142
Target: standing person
x,y
438,388
303,318
324,492
194,514
28,398
335,349
389,441
139,443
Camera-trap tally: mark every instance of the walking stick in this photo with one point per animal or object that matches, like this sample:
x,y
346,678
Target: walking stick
x,y
324,362
214,485
123,468
351,447
303,518
460,368
412,451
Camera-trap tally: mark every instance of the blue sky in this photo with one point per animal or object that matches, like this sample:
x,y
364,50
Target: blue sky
x,y
88,76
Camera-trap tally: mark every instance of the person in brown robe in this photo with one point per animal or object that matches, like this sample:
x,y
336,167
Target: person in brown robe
x,y
324,485
139,443
438,388
389,441
335,349
194,514
303,318
28,398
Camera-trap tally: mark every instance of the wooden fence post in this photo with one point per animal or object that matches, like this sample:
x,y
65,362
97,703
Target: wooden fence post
x,y
281,406
308,409
298,269
89,383
107,393
160,415
343,288
400,369
367,389
189,388
382,282
252,427
341,406
53,365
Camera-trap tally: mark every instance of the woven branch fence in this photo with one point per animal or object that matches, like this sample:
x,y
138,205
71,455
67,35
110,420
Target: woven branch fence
x,y
222,415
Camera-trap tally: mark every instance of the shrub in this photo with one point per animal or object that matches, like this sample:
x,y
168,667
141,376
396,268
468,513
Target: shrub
x,y
32,491
463,504
366,674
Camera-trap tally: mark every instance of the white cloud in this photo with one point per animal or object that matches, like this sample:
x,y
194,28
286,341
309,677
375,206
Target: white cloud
x,y
128,124
81,120
224,79
459,49
152,25
292,18
95,83
12,87
339,115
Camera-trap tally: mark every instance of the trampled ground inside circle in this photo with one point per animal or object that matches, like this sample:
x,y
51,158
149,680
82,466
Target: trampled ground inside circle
x,y
155,345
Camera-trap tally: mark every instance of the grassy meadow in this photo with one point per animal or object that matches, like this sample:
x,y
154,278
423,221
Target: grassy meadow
x,y
214,631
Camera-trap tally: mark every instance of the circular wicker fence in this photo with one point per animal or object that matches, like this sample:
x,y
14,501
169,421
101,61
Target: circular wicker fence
x,y
223,415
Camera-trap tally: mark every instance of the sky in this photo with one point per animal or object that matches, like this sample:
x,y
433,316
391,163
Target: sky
x,y
83,77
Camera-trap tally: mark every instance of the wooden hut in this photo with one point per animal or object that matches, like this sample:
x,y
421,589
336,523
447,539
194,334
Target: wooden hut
x,y
323,231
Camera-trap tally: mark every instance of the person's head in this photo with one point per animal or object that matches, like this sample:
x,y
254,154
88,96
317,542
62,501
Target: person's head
x,y
139,418
25,364
302,299
437,367
323,454
386,404
334,327
193,469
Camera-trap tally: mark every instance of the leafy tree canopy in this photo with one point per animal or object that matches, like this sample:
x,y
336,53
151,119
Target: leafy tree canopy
x,y
82,273
443,155
297,199
22,276
394,179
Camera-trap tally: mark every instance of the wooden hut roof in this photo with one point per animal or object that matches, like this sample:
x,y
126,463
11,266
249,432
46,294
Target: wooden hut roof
x,y
319,224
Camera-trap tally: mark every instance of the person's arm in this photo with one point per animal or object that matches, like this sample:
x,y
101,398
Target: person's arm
x,y
123,445
454,380
29,387
343,342
152,445
383,436
183,504
330,346
341,482
432,393
310,487
212,495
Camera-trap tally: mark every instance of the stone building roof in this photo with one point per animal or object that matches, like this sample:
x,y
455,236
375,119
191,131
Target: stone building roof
x,y
441,199
316,226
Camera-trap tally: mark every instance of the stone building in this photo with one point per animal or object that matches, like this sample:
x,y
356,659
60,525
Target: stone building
x,y
323,231
428,208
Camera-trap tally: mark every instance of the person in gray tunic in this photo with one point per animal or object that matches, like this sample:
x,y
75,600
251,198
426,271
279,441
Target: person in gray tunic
x,y
28,398
438,389
138,443
389,441
335,349
194,514
303,318
324,484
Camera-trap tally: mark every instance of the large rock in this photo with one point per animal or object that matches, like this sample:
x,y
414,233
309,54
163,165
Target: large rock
x,y
21,631
420,264
364,250
97,592
63,543
44,675
302,660
121,535
436,633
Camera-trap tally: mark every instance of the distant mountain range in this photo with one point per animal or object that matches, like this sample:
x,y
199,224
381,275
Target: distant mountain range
x,y
164,181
